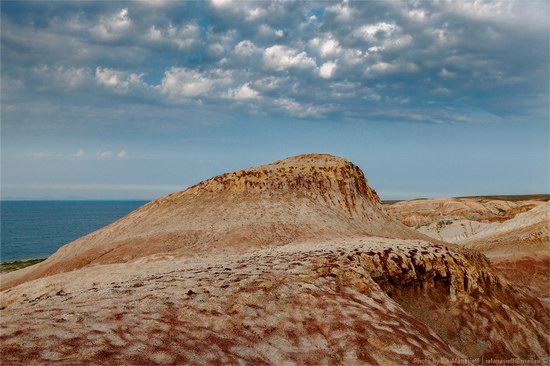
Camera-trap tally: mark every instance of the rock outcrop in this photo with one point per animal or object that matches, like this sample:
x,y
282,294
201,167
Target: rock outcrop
x,y
514,235
354,301
301,198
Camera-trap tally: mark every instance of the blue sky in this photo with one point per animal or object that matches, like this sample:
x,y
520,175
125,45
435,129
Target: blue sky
x,y
122,100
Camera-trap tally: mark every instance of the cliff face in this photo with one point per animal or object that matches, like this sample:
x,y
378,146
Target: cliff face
x,y
307,197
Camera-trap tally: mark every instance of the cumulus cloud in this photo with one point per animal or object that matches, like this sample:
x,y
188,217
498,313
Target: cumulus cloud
x,y
113,27
182,37
342,11
392,68
116,80
243,92
188,83
326,46
373,32
327,70
279,58
288,57
246,48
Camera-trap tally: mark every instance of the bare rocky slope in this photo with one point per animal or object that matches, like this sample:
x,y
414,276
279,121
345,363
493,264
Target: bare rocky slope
x,y
425,211
515,235
526,233
520,248
454,220
289,263
304,197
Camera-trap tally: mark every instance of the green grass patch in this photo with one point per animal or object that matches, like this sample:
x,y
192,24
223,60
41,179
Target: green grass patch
x,y
15,265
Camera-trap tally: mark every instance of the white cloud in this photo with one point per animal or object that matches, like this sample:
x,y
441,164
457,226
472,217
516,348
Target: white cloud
x,y
441,91
270,83
326,47
40,154
398,42
243,92
270,32
80,153
392,67
122,154
182,37
327,70
417,15
301,110
446,73
104,154
246,48
342,11
119,81
255,13
373,32
222,3
187,83
281,58
158,3
67,77
113,27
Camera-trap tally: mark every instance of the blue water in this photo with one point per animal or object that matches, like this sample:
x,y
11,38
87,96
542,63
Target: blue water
x,y
35,229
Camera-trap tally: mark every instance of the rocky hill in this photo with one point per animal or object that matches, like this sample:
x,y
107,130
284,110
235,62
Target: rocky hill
x,y
304,197
289,263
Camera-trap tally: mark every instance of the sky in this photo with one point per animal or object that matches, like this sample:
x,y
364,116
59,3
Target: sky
x,y
134,100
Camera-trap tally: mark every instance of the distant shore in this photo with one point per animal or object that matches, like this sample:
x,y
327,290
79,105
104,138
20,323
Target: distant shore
x,y
9,266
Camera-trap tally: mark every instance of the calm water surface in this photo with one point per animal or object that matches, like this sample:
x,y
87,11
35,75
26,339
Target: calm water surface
x,y
34,229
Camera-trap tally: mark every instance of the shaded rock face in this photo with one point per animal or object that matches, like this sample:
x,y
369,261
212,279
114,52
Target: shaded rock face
x,y
305,197
350,301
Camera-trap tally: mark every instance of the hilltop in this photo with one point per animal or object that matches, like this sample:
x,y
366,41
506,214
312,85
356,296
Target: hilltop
x,y
305,197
